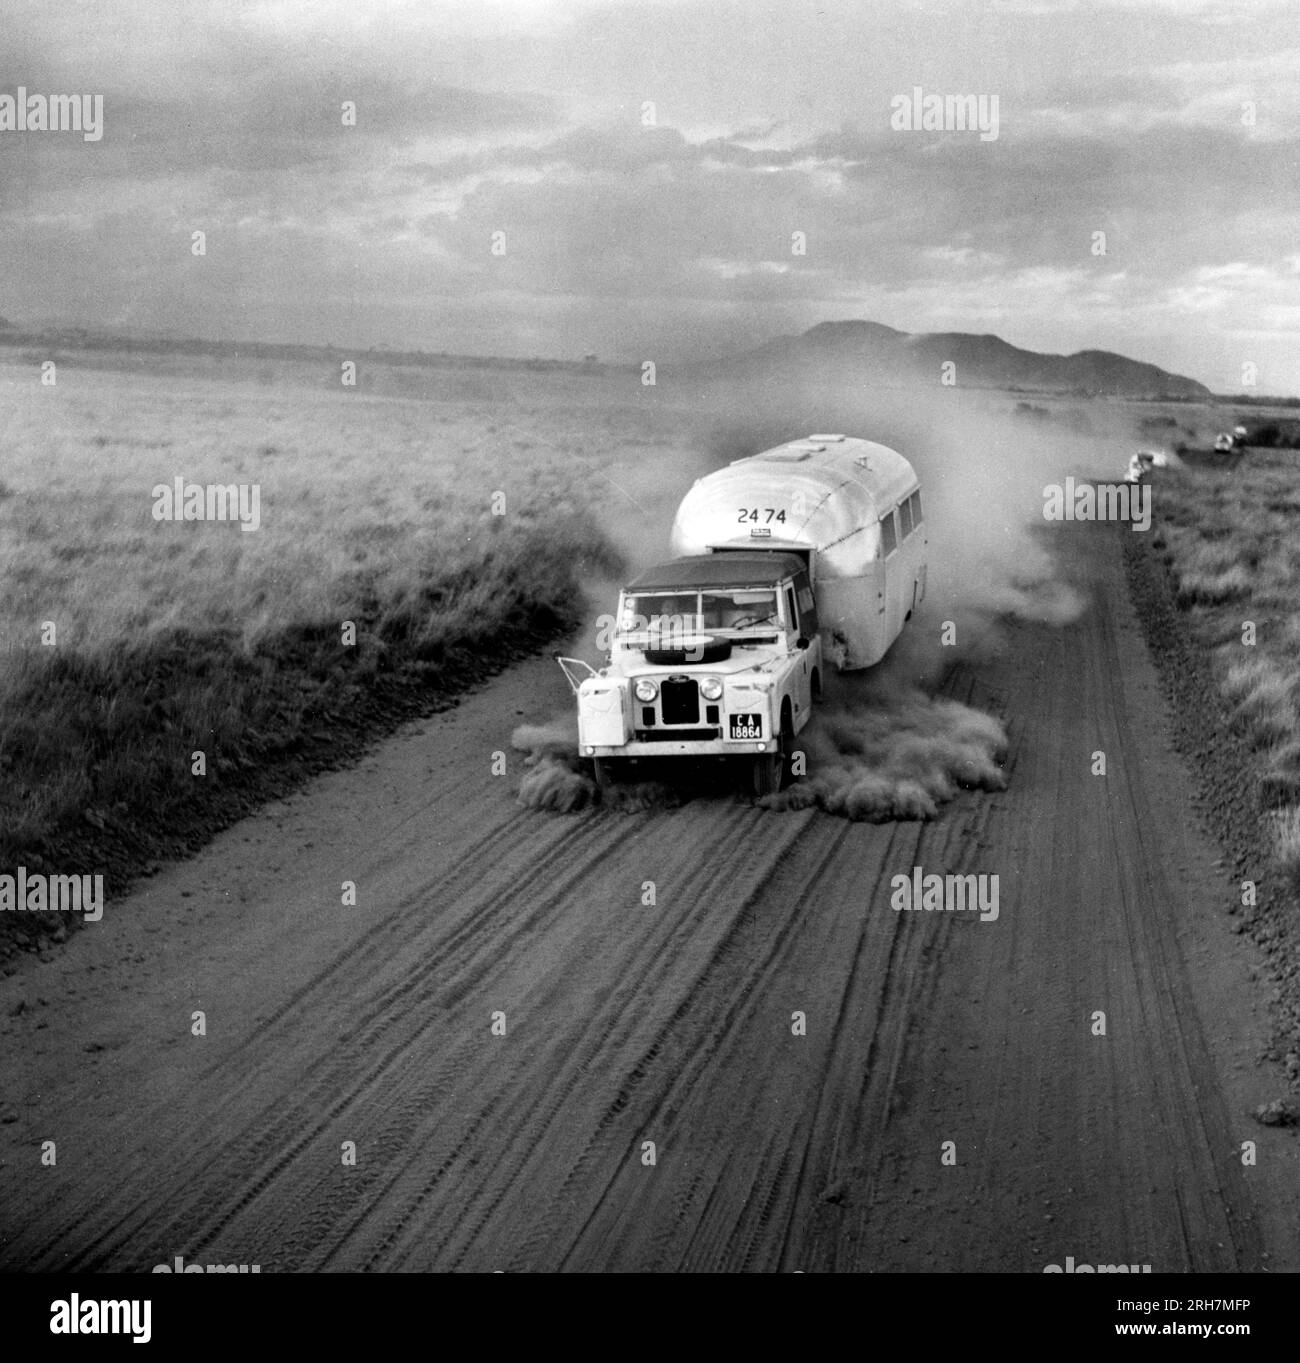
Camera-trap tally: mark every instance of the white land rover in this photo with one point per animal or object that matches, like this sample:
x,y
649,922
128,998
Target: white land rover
x,y
713,655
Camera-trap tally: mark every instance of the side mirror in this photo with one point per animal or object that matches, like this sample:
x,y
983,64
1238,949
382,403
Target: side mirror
x,y
801,642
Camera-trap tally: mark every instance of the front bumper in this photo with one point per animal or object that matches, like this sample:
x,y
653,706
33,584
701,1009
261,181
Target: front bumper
x,y
688,747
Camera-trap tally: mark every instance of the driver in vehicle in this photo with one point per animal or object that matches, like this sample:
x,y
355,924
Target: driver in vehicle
x,y
728,612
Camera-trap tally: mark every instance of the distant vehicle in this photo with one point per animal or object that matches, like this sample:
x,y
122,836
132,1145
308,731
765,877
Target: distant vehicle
x,y
1143,462
1224,442
1239,433
1139,465
809,555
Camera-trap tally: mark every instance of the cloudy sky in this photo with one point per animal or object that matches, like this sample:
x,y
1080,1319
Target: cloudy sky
x,y
665,231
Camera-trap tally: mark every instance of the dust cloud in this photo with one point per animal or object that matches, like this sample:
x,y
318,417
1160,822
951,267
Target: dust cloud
x,y
554,776
882,752
983,468
557,779
871,753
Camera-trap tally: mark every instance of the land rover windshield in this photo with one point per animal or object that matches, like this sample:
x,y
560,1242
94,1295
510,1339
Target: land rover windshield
x,y
732,612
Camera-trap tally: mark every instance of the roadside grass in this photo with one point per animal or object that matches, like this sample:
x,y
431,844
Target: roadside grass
x,y
1287,840
128,644
1232,541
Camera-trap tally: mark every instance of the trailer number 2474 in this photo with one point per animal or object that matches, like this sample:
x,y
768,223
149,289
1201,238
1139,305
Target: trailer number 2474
x,y
765,514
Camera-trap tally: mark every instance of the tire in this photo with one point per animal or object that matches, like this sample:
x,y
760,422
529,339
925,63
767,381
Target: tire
x,y
704,649
771,768
604,771
767,771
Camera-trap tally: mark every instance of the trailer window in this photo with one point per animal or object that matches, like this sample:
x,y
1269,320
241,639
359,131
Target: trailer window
x,y
792,611
888,535
915,500
905,511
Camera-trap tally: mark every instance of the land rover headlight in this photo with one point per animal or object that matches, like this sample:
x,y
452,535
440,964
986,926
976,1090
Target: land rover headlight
x,y
711,688
646,690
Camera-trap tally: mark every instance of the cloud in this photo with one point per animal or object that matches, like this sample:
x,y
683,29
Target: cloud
x,y
527,119
274,122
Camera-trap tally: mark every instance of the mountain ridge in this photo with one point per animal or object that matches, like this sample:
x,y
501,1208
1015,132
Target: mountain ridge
x,y
843,349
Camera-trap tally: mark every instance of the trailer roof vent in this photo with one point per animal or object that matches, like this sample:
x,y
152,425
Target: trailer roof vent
x,y
830,438
791,454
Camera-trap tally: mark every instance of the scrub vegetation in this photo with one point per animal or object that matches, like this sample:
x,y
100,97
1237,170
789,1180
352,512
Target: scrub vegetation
x,y
1230,537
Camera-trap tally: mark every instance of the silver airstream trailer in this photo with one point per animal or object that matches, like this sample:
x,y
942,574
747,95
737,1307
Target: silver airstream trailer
x,y
851,509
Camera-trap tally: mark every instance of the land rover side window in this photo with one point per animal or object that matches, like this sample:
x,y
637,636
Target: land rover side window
x,y
738,609
915,500
905,511
807,605
791,610
888,535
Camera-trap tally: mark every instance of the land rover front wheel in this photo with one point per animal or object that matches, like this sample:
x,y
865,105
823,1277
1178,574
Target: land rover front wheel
x,y
604,771
770,768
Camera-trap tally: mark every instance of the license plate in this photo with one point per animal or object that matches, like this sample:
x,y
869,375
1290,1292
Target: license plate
x,y
746,726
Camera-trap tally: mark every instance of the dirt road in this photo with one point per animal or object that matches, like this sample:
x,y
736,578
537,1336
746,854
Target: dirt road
x,y
670,1023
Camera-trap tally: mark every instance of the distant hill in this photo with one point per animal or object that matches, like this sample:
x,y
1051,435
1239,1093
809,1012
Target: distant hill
x,y
862,350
